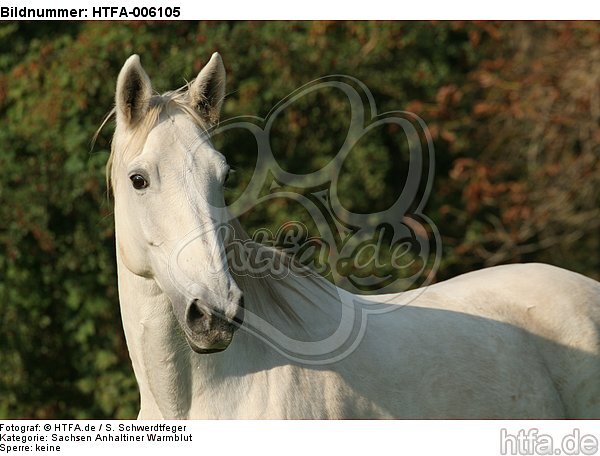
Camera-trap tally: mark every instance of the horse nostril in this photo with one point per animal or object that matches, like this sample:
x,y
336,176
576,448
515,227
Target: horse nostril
x,y
196,317
196,313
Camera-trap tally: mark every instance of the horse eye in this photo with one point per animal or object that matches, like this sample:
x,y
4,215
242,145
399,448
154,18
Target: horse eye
x,y
138,181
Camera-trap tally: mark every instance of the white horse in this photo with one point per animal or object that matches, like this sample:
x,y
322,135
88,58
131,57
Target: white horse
x,y
518,341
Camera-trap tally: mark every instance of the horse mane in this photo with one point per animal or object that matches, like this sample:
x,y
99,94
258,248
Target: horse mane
x,y
267,294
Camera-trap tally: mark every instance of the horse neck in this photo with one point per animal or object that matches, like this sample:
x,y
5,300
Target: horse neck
x,y
155,346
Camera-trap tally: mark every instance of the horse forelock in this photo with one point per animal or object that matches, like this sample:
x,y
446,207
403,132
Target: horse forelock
x,y
128,141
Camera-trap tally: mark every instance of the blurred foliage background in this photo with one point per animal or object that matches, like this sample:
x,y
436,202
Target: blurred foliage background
x,y
513,109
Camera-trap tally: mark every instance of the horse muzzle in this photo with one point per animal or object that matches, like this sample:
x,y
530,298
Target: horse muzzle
x,y
208,330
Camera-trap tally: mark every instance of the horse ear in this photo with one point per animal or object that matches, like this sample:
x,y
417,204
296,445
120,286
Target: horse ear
x,y
208,89
134,91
